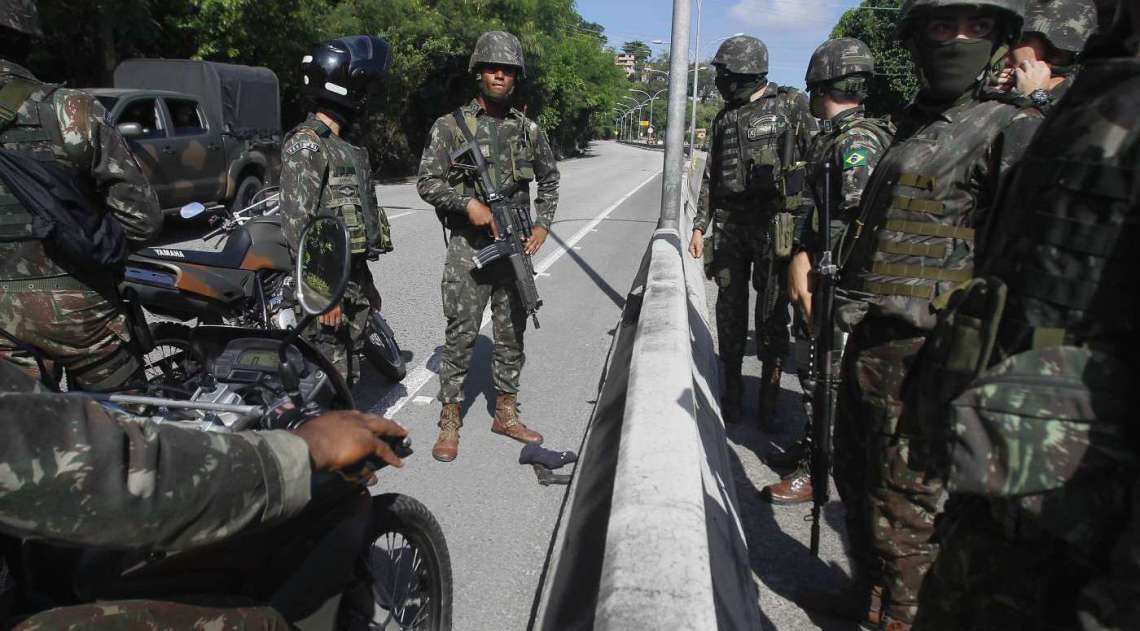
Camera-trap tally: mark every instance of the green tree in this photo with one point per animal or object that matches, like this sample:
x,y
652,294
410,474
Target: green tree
x,y
895,81
640,50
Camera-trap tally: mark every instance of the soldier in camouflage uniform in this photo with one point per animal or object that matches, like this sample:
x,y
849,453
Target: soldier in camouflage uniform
x,y
912,244
517,152
1043,64
1040,452
762,132
70,478
72,316
837,79
322,173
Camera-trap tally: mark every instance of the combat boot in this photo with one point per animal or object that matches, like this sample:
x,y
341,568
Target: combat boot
x,y
730,400
794,488
507,420
447,445
857,603
769,395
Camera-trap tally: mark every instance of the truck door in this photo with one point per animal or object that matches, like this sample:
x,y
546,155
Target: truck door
x,y
198,160
149,144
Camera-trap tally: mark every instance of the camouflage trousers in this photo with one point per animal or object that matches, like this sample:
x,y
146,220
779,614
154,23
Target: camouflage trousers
x,y
76,329
150,615
890,498
740,260
466,292
343,345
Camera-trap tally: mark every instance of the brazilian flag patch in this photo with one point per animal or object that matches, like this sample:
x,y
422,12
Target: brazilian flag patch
x,y
855,159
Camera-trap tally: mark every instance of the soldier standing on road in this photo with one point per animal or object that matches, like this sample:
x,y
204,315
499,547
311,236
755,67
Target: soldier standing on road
x,y
69,313
742,192
1042,523
324,174
517,152
1043,64
912,244
838,77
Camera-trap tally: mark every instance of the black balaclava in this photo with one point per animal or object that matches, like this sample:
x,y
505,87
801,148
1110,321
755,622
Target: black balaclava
x,y
738,88
950,68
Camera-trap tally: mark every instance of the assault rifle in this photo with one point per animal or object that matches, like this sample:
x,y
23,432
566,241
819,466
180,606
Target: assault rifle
x,y
822,411
512,224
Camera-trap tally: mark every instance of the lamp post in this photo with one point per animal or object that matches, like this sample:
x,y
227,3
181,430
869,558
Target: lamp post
x,y
630,110
652,98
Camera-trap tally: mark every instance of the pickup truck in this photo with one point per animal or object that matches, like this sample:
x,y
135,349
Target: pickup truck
x,y
201,131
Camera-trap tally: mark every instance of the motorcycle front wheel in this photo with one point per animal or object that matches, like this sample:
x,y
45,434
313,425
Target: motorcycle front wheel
x,y
382,350
172,361
410,569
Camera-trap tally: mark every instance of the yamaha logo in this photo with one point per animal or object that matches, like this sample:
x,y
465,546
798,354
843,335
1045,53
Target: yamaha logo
x,y
174,254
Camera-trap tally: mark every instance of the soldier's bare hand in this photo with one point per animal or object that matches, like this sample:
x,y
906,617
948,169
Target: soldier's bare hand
x,y
1032,75
537,238
697,244
1004,80
799,284
333,318
343,438
479,214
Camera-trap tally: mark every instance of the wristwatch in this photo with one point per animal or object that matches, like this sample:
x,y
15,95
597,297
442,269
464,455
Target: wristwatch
x,y
1040,97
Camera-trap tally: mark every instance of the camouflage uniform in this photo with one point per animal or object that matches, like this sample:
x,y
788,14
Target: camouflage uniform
x,y
323,173
74,472
1066,26
1041,455
72,315
921,209
741,237
517,152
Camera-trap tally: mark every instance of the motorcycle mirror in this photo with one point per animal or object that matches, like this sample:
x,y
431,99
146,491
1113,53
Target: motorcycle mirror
x,y
322,265
192,210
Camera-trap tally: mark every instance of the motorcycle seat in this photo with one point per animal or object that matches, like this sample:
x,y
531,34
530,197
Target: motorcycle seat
x,y
229,256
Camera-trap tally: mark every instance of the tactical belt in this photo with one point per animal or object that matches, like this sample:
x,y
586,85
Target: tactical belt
x,y
55,283
927,229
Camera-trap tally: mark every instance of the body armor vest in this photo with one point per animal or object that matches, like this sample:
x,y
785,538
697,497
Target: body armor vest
x,y
347,188
748,145
510,160
915,237
1061,242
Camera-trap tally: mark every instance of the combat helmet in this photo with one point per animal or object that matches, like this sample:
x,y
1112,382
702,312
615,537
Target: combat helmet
x,y
20,15
1065,24
742,54
838,58
346,71
1013,11
500,48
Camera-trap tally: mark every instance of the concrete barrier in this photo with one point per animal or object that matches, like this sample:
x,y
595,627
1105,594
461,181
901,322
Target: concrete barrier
x,y
650,535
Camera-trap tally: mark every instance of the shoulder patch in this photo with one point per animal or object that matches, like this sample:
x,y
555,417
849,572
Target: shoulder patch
x,y
302,143
854,159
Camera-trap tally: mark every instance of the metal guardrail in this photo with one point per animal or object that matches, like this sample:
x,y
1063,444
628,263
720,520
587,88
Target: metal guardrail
x,y
651,535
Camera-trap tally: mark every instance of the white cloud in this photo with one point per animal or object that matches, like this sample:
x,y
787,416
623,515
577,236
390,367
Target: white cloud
x,y
785,13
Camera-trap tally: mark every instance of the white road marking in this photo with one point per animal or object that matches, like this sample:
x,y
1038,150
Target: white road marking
x,y
418,377
423,400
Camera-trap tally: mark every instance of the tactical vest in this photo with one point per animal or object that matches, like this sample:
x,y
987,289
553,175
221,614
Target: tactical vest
x,y
748,146
346,190
915,236
1063,245
512,169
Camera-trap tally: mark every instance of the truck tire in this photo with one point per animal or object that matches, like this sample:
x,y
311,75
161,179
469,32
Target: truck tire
x,y
247,188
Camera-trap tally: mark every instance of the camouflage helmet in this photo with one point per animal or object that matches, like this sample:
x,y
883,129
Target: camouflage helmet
x,y
1065,24
498,47
838,58
20,15
913,10
742,54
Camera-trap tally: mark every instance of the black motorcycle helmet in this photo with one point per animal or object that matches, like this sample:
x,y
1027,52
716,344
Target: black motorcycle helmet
x,y
345,72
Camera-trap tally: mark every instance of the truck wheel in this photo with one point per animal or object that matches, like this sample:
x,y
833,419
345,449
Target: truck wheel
x,y
249,186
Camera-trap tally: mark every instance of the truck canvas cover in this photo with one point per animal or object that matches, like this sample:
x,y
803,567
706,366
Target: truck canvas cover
x,y
243,101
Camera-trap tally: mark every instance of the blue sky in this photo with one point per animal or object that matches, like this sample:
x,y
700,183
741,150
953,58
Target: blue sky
x,y
791,28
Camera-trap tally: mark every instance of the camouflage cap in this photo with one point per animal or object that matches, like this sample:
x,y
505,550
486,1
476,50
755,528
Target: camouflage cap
x,y
498,47
837,58
20,15
912,10
1066,24
742,54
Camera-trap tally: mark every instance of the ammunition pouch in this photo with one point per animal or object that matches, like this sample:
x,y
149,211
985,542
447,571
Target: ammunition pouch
x,y
783,235
792,186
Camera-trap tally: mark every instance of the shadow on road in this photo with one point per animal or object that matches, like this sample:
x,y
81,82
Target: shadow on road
x,y
608,289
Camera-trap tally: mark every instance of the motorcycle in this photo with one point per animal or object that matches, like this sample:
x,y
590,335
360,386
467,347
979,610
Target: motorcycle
x,y
258,379
245,282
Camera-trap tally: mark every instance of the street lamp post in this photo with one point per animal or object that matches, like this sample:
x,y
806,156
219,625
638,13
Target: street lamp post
x,y
652,98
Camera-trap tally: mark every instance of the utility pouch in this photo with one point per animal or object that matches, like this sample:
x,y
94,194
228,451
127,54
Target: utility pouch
x,y
522,165
384,239
792,186
783,234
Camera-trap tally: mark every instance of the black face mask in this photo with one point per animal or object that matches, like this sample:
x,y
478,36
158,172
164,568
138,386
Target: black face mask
x,y
815,105
951,68
738,88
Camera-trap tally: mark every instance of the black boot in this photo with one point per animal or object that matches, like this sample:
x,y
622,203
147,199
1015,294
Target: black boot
x,y
730,399
769,395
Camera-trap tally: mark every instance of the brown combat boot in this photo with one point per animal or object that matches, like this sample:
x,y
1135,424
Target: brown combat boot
x,y
794,488
507,420
447,445
769,395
